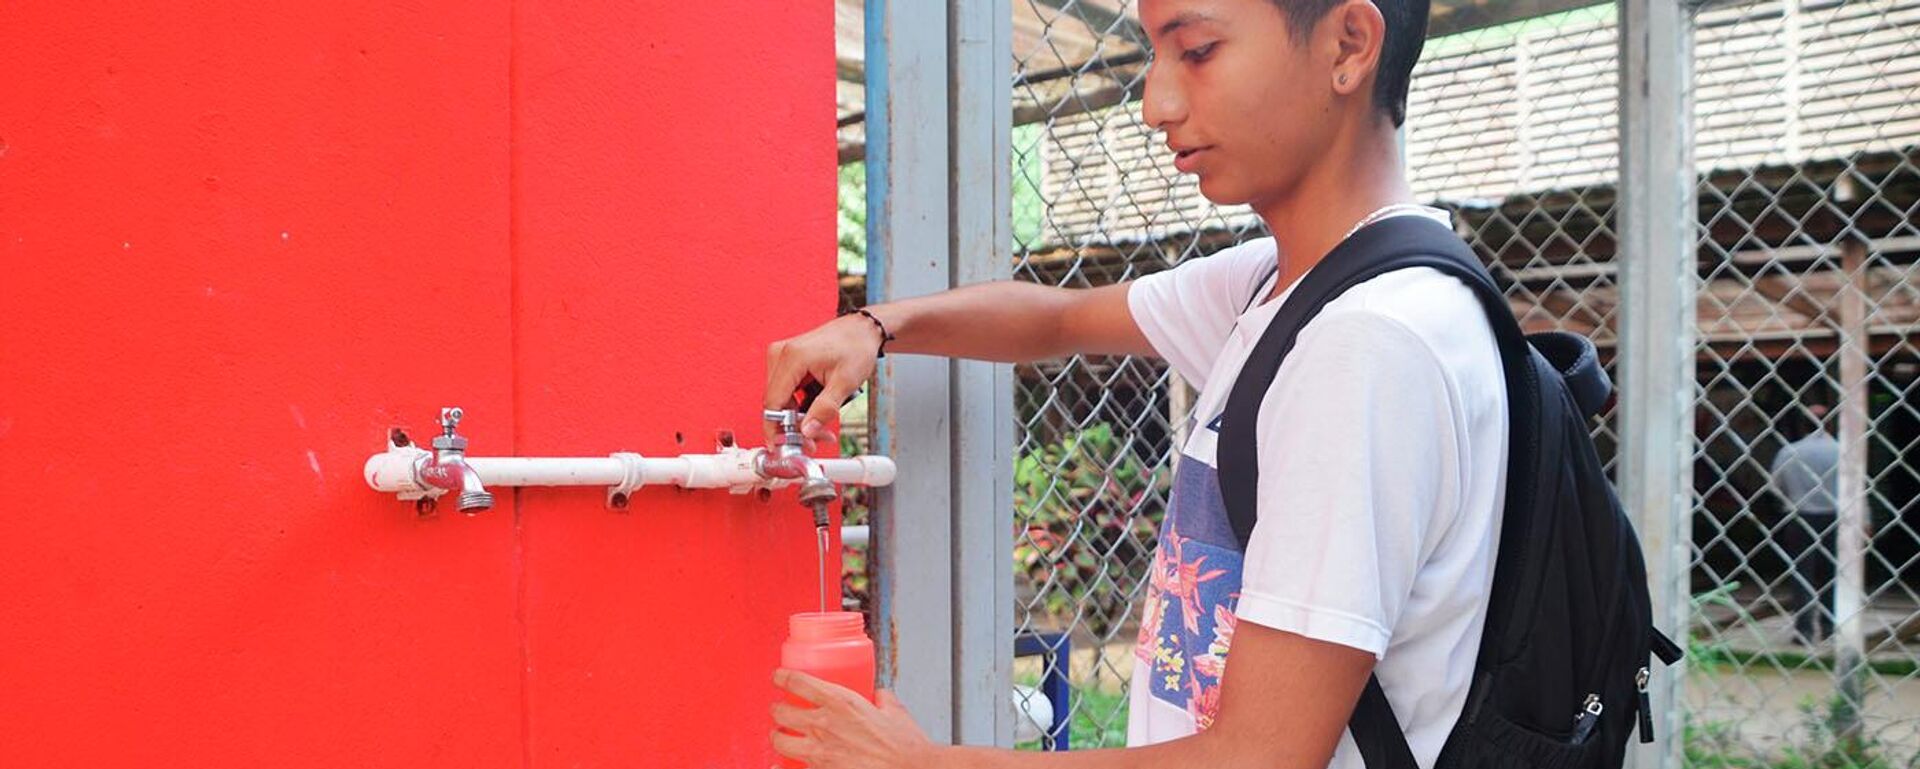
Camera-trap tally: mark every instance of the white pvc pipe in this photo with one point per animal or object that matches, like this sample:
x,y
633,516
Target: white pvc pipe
x,y
539,471
693,471
393,471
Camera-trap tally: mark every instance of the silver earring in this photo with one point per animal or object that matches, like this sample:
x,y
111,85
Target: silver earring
x,y
1343,79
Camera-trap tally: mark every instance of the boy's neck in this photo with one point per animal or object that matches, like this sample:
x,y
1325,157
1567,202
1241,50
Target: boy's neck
x,y
1359,176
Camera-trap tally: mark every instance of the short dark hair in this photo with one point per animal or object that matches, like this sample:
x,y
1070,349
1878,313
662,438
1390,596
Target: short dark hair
x,y
1406,35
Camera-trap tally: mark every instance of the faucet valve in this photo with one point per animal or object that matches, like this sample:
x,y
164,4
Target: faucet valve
x,y
448,468
448,440
789,460
789,422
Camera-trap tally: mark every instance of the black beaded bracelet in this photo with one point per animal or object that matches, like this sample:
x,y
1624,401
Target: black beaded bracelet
x,y
885,336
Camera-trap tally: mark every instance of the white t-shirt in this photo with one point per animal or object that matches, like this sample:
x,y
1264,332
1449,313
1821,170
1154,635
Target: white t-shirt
x,y
1383,447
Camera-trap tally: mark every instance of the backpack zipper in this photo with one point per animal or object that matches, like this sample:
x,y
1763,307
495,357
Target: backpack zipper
x,y
1584,720
1646,706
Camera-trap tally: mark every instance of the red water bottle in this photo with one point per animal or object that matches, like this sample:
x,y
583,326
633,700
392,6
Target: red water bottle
x,y
831,646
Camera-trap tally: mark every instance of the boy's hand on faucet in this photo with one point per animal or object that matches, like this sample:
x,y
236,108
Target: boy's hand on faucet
x,y
840,355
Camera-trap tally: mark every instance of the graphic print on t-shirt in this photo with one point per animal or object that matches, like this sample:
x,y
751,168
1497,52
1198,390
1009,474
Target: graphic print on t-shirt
x,y
1188,621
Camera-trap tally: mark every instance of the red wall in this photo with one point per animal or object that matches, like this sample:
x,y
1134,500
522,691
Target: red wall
x,y
239,241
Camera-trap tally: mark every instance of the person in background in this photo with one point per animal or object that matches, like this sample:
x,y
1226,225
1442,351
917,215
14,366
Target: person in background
x,y
1806,477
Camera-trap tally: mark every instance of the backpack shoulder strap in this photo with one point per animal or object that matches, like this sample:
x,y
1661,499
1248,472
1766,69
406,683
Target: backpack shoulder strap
x,y
1391,244
1377,732
1396,243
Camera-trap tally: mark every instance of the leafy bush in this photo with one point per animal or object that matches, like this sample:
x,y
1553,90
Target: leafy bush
x,y
1090,510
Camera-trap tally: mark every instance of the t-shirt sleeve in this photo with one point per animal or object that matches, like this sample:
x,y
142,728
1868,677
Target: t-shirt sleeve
x,y
1187,312
1348,494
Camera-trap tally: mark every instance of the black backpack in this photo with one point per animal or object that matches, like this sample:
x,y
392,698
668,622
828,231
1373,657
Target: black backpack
x,y
1564,660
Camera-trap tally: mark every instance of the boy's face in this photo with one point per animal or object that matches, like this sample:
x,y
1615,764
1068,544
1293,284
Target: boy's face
x,y
1244,105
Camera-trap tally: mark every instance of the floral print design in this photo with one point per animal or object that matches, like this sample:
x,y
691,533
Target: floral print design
x,y
1188,622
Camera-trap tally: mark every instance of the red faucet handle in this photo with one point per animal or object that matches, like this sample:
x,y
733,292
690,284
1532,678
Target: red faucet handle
x,y
809,391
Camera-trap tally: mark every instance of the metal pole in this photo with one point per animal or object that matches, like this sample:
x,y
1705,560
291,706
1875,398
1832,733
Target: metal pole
x,y
908,241
981,103
1658,321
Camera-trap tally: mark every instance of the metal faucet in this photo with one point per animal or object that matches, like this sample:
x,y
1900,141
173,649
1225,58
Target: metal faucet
x,y
447,468
788,459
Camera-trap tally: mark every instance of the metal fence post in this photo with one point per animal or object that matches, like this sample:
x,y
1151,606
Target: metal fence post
x,y
908,238
937,151
983,416
1658,322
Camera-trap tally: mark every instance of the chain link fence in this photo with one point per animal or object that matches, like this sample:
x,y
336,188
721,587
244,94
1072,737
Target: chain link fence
x,y
1096,202
1806,123
1807,140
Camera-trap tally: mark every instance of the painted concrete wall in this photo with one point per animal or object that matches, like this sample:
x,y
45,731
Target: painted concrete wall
x,y
240,241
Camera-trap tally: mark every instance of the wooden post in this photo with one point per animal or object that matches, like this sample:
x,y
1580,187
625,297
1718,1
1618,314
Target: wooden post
x,y
1854,522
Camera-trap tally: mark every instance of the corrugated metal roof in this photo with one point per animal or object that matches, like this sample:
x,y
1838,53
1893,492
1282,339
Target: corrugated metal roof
x,y
1534,107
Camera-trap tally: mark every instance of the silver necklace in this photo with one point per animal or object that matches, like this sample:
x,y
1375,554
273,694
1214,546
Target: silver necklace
x,y
1378,214
1381,213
